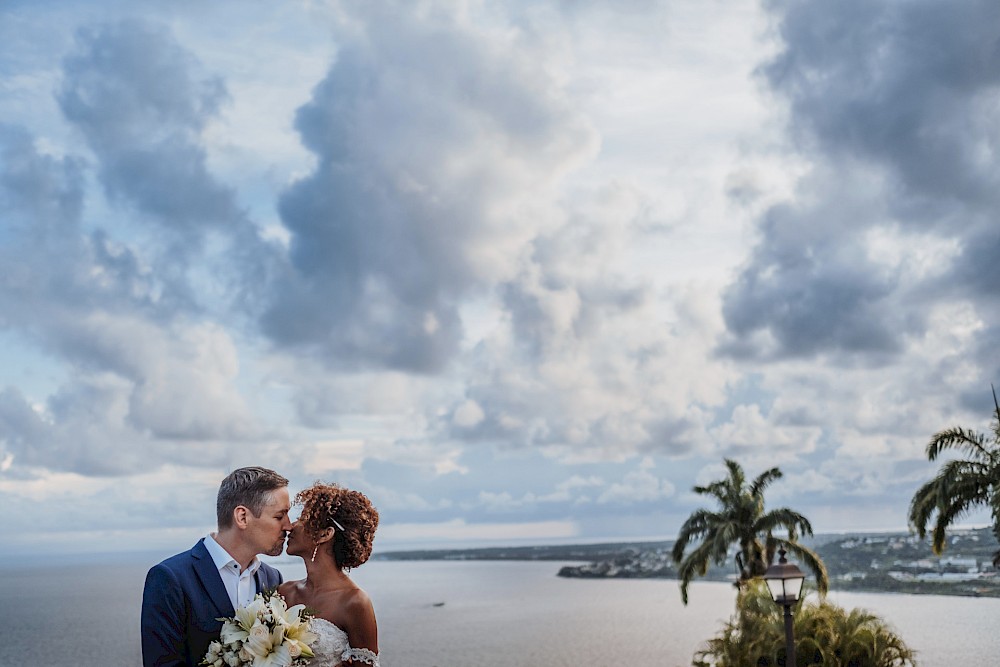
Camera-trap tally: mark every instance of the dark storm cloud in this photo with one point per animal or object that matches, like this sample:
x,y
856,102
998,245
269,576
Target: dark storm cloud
x,y
426,168
911,86
89,303
43,250
894,105
78,439
141,103
54,272
37,192
812,292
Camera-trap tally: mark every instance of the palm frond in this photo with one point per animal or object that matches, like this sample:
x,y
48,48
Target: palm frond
x,y
945,517
763,480
696,563
996,421
995,510
960,484
923,505
736,474
958,487
964,440
718,489
696,526
720,541
784,517
811,560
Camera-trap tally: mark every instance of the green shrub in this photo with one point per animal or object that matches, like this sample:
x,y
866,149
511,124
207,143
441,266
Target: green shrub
x,y
825,634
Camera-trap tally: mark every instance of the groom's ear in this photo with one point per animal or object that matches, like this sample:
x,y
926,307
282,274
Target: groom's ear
x,y
240,516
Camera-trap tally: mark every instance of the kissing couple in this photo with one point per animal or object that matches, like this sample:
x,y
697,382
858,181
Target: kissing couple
x,y
187,596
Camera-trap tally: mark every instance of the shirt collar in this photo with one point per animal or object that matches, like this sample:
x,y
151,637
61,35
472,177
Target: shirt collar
x,y
223,559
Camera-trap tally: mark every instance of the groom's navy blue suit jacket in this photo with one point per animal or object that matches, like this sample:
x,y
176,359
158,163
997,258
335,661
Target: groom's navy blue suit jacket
x,y
183,597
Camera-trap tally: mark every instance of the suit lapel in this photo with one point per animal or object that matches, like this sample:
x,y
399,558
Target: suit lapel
x,y
264,579
210,578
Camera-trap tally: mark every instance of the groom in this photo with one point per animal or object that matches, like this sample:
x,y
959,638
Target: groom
x,y
186,594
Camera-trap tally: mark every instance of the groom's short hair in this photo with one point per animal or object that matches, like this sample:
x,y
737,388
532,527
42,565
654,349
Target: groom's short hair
x,y
250,487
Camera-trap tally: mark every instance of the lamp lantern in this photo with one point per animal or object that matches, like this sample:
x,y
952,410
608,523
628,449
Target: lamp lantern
x,y
784,581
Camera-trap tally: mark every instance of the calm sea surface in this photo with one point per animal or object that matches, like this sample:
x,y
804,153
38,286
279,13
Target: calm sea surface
x,y
495,614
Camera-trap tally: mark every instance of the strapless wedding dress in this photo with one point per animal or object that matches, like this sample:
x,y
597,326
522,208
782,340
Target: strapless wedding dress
x,y
332,647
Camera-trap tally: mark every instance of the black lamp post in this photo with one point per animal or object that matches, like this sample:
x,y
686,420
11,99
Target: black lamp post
x,y
784,580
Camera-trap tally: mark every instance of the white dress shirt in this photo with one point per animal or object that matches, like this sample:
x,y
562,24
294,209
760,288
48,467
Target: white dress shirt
x,y
241,586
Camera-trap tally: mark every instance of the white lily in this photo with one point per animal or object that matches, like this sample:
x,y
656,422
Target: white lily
x,y
279,657
281,613
248,615
277,636
290,619
232,632
302,636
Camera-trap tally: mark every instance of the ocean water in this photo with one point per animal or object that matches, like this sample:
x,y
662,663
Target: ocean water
x,y
494,614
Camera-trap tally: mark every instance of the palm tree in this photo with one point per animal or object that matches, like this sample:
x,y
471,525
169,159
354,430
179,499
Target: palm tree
x,y
961,484
741,520
825,634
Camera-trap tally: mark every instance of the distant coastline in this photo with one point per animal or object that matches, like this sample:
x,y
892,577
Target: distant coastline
x,y
895,562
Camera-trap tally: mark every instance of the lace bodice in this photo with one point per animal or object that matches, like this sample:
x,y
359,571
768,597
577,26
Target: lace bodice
x,y
332,647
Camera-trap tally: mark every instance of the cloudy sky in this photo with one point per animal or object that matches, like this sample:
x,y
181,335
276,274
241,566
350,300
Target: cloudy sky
x,y
521,272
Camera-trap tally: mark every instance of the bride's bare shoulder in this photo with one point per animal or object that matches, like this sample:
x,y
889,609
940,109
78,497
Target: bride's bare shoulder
x,y
357,601
290,590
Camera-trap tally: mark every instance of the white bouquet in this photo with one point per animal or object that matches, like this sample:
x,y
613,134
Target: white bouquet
x,y
265,633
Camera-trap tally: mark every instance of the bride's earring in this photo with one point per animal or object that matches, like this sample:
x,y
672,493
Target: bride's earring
x,y
313,559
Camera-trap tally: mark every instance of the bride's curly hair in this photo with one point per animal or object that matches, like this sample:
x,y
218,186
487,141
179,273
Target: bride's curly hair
x,y
322,504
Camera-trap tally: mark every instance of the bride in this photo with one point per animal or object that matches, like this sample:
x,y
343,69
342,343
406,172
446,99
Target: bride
x,y
333,534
